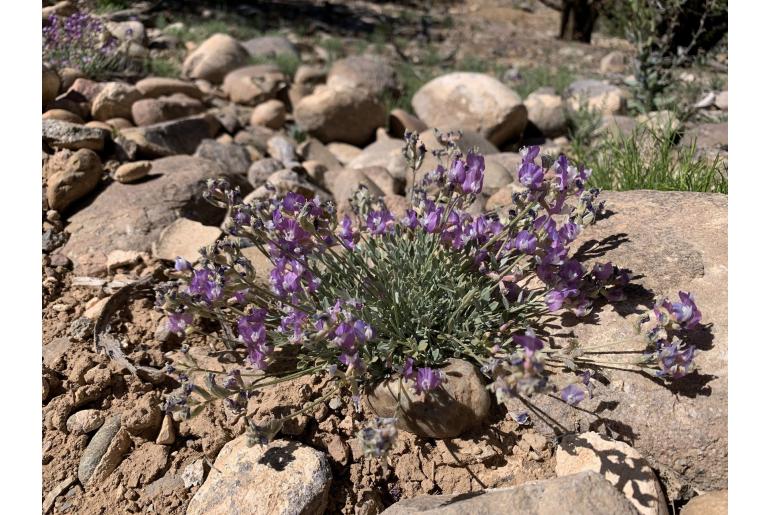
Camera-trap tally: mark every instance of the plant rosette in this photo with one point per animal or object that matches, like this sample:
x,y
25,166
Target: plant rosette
x,y
395,310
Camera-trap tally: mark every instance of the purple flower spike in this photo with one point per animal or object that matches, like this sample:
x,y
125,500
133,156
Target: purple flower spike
x,y
410,220
528,341
457,172
427,380
685,313
525,242
474,179
348,234
379,222
531,176
675,360
572,394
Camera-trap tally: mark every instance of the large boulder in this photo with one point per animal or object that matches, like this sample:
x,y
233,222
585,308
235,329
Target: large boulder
x,y
233,157
131,216
282,478
254,84
679,427
162,109
343,115
370,73
586,493
70,176
474,102
181,136
215,58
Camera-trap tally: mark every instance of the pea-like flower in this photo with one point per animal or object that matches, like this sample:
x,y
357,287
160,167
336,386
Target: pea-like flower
x,y
427,379
572,394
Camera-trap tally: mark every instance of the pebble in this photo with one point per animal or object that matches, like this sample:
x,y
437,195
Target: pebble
x,y
131,172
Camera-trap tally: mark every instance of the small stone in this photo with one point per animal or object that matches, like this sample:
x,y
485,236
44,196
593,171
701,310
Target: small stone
x,y
81,329
315,171
537,441
721,100
167,434
94,311
460,404
313,150
282,148
613,63
71,176
62,115
271,114
255,84
193,474
131,172
122,258
184,238
260,170
154,87
344,152
162,109
595,96
85,421
546,112
96,452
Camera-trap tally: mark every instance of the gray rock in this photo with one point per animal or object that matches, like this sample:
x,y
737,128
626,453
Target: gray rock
x,y
215,58
52,240
613,63
102,450
61,134
460,404
131,216
282,148
313,150
234,158
281,478
270,47
193,474
180,136
479,103
262,169
586,493
692,452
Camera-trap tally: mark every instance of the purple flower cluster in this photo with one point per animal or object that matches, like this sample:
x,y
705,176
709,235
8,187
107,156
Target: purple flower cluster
x,y
674,357
79,41
252,332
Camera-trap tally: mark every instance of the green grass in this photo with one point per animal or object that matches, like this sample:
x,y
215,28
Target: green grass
x,y
650,159
540,76
287,63
107,6
162,67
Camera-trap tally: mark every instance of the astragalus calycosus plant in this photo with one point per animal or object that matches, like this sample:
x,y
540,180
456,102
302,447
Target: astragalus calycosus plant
x,y
373,297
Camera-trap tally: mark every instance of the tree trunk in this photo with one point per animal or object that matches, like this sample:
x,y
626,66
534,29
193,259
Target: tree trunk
x,y
577,20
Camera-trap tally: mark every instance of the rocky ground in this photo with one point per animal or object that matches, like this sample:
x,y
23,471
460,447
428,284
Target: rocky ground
x,y
124,162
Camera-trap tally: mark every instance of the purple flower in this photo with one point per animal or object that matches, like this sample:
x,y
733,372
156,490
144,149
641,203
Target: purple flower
x,y
569,231
528,341
457,172
410,220
530,153
182,265
204,284
177,322
531,176
572,272
555,299
685,313
251,328
293,323
525,242
522,418
474,178
431,219
348,234
572,394
408,370
379,222
603,272
427,380
675,360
